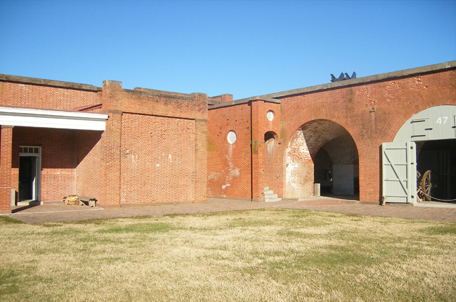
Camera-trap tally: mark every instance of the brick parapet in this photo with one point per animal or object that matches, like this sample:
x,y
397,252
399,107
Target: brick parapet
x,y
153,102
48,83
384,77
221,98
29,94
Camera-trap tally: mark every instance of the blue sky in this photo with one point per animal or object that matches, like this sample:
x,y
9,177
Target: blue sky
x,y
245,48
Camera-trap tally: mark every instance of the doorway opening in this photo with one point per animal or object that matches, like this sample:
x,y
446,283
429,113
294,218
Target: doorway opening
x,y
29,173
419,164
437,166
272,166
336,167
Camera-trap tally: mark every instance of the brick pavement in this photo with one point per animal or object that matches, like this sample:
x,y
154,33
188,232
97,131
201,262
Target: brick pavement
x,y
60,212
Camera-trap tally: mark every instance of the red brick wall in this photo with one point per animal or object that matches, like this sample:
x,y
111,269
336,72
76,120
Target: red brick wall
x,y
153,102
158,159
370,113
394,103
88,163
228,166
45,97
166,132
174,125
154,148
5,171
110,160
201,160
266,161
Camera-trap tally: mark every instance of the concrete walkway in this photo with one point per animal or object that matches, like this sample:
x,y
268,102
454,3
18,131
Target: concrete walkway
x,y
59,212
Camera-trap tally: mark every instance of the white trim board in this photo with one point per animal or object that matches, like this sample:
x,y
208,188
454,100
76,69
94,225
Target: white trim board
x,y
40,118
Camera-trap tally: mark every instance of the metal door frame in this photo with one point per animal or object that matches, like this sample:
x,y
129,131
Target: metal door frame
x,y
34,151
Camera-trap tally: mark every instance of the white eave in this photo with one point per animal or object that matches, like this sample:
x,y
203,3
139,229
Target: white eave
x,y
39,118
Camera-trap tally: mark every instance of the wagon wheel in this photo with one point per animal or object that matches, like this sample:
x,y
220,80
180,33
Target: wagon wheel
x,y
426,185
419,193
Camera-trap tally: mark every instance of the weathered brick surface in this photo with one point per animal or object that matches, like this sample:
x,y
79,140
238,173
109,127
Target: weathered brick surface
x,y
45,97
145,128
163,146
5,164
351,121
238,170
223,98
155,148
266,171
229,168
158,159
88,161
394,103
201,160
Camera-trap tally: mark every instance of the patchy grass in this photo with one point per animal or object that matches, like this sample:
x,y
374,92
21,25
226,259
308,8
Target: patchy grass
x,y
262,255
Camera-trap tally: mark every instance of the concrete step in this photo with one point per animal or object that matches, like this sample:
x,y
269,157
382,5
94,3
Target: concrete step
x,y
269,195
273,199
28,203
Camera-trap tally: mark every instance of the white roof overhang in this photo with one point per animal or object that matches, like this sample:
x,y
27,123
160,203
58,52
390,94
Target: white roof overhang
x,y
40,118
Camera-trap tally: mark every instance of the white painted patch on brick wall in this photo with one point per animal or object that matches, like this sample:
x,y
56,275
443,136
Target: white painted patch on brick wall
x,y
298,167
213,176
232,171
132,157
292,181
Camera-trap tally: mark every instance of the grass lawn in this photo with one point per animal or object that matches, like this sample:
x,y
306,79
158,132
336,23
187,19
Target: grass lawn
x,y
260,255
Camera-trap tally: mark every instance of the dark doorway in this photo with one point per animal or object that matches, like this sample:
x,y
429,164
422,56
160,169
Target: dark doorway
x,y
323,167
439,157
27,177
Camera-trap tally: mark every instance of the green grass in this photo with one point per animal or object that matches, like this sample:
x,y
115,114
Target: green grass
x,y
442,230
261,255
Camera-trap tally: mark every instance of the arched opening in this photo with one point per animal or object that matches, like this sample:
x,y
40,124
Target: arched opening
x,y
322,151
272,168
423,173
269,135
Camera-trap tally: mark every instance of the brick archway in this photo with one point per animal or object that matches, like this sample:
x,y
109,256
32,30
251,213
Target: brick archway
x,y
301,154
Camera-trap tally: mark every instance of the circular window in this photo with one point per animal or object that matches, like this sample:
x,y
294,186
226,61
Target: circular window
x,y
270,115
231,137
